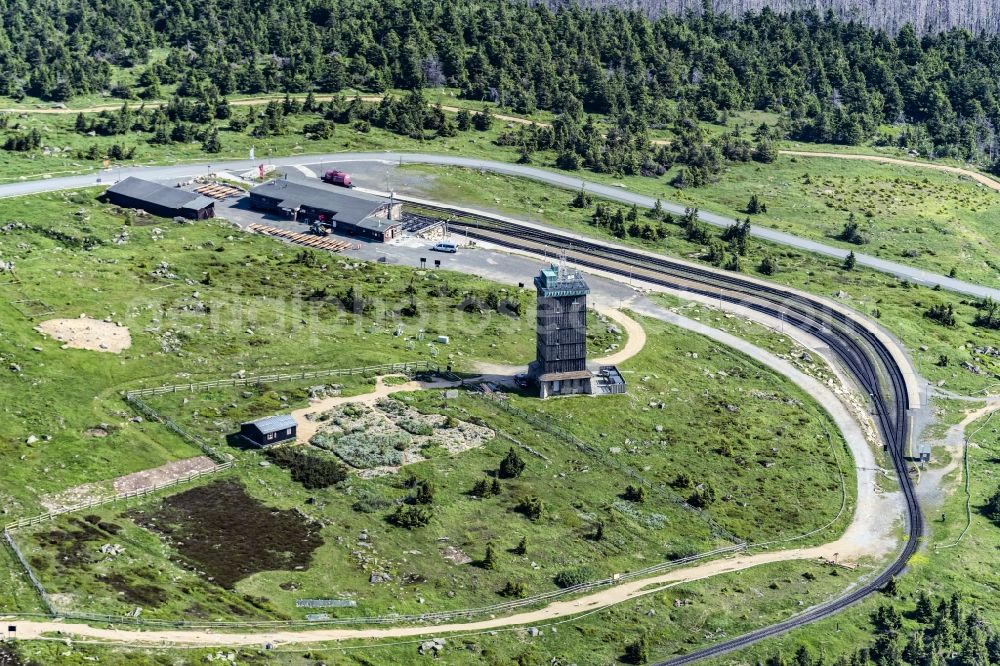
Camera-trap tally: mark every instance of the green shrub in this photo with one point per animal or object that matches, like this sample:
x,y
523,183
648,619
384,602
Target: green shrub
x,y
369,501
364,450
391,406
575,576
311,470
416,427
513,590
410,517
354,410
532,507
512,465
637,652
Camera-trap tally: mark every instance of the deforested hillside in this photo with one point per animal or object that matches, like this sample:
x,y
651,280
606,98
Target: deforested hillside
x,y
927,16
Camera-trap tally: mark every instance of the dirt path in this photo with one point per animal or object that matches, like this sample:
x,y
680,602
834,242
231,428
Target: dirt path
x,y
307,427
975,175
560,609
253,101
869,534
955,440
633,345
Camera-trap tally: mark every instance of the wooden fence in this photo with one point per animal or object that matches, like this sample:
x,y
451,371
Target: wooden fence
x,y
42,594
223,461
120,497
397,619
252,380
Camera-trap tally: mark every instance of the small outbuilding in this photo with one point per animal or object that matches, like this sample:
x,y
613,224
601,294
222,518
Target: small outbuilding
x,y
160,200
269,431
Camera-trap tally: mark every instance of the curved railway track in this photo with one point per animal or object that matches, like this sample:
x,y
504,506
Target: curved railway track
x,y
858,348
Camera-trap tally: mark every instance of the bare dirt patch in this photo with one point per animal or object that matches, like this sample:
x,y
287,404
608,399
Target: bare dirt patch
x,y
75,496
226,535
141,480
157,476
454,555
87,333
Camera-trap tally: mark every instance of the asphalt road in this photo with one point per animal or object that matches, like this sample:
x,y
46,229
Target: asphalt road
x,y
186,171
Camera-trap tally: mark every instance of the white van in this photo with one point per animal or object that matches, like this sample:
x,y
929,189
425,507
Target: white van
x,y
445,246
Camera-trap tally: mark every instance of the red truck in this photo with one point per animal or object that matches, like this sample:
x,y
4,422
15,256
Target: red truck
x,y
337,178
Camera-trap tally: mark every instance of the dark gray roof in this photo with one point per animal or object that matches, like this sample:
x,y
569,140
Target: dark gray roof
x,y
274,423
154,193
199,203
345,204
376,223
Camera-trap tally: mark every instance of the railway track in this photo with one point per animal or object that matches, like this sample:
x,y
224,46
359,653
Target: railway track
x,y
857,348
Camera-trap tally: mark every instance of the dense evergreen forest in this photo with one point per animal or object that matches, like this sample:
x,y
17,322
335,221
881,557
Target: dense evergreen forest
x,y
830,81
931,633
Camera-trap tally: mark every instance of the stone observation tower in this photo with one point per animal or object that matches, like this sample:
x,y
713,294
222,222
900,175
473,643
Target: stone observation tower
x,y
560,366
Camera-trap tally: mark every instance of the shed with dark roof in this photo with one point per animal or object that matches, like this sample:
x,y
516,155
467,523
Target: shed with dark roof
x,y
160,200
269,431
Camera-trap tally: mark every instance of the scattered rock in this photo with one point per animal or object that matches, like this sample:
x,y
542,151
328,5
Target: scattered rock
x,y
379,577
112,549
972,367
434,646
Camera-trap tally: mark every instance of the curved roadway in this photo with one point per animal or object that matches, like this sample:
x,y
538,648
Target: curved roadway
x,y
855,344
558,179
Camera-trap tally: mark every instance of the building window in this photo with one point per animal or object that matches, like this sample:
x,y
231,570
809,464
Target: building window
x,y
288,431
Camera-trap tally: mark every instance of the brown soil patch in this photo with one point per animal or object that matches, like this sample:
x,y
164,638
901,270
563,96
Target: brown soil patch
x,y
144,595
226,535
156,476
87,333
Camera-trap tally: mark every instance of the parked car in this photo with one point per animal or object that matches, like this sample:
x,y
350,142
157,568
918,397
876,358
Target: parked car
x,y
445,246
336,177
